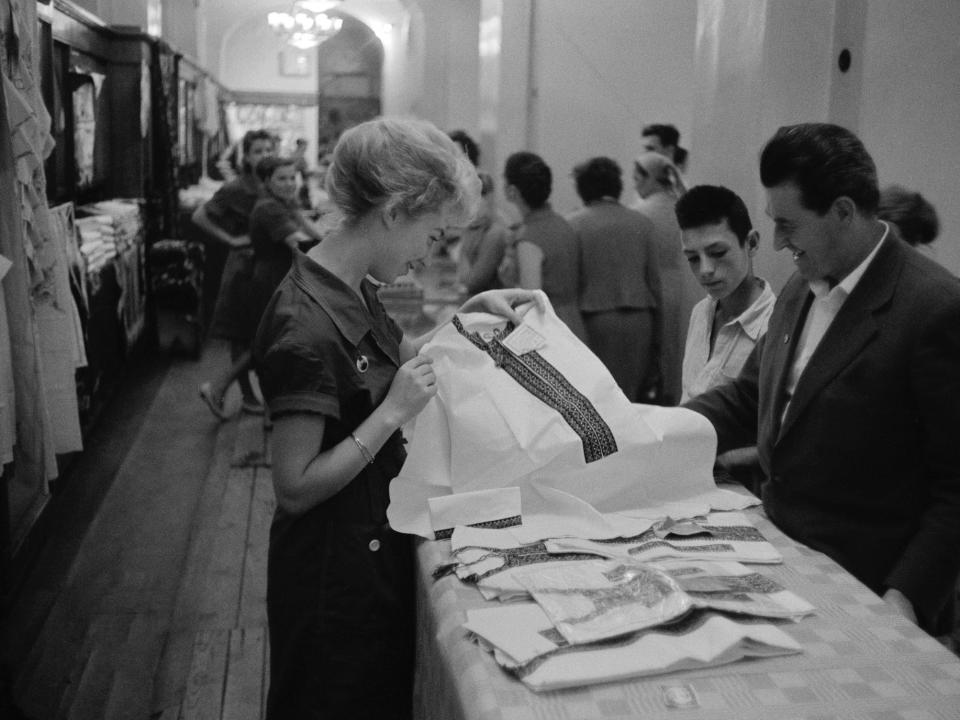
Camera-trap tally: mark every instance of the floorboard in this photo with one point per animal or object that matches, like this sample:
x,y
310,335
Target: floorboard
x,y
157,606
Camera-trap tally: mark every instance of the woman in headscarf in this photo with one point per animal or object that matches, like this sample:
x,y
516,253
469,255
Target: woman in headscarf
x,y
659,185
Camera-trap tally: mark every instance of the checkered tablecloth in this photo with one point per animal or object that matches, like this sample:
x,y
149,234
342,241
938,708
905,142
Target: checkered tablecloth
x,y
861,661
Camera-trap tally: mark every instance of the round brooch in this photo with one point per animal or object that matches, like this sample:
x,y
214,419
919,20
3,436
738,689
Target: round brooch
x,y
362,363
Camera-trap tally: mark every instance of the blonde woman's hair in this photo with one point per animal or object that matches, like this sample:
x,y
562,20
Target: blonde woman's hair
x,y
664,172
401,165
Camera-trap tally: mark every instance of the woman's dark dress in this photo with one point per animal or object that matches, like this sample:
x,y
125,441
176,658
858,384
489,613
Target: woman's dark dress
x,y
340,595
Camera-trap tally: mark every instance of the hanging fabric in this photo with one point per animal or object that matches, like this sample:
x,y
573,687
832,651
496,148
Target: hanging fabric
x,y
34,451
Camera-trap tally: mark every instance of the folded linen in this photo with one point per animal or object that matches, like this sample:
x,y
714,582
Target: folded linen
x,y
729,536
494,568
525,643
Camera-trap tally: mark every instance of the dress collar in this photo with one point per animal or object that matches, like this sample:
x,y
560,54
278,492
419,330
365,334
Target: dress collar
x,y
339,301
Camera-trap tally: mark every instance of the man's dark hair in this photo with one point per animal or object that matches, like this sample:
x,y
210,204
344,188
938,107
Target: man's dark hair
x,y
251,136
597,178
712,204
668,135
531,176
825,162
270,164
468,144
914,216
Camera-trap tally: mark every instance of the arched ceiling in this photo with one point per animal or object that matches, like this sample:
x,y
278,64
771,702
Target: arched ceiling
x,y
220,17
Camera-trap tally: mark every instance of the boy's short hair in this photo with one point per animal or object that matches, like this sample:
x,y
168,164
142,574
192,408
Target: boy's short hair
x,y
712,204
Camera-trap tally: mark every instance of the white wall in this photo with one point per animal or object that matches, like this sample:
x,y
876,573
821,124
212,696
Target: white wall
x,y
910,111
447,34
250,60
599,71
760,64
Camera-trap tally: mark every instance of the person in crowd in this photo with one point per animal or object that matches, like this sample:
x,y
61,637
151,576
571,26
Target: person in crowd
x,y
468,145
277,228
544,245
913,215
340,380
853,394
719,242
619,276
303,171
482,244
665,139
226,218
659,185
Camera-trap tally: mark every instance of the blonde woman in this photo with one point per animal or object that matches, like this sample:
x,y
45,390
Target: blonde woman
x,y
659,185
340,379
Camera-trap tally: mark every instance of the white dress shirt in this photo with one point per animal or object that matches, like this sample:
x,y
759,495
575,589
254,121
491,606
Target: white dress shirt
x,y
824,308
735,341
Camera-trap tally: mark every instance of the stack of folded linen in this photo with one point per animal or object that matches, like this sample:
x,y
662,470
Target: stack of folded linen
x,y
126,217
598,620
489,559
98,241
109,228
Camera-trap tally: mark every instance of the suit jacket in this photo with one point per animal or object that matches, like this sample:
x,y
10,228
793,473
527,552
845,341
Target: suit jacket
x,y
866,464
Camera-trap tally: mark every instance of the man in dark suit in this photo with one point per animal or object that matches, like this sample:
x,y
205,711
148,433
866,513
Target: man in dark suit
x,y
853,396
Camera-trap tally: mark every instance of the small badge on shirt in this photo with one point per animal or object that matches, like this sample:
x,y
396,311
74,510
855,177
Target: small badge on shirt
x,y
523,339
362,363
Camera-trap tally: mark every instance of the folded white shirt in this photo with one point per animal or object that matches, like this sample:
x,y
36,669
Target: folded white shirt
x,y
526,643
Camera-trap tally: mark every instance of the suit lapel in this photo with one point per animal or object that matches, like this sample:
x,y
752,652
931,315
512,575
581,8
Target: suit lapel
x,y
796,302
852,329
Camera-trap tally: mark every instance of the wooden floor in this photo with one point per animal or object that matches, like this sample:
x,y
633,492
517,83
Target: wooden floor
x,y
156,606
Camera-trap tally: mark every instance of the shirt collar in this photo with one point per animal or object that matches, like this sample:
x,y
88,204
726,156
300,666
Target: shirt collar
x,y
337,298
753,320
822,288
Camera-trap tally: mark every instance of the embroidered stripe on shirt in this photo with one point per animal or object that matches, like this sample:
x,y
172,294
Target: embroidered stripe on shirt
x,y
541,379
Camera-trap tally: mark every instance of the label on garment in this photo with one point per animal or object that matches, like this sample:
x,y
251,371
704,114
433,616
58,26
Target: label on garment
x,y
523,339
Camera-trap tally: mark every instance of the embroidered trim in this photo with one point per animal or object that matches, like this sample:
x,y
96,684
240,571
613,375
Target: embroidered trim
x,y
521,557
542,380
511,521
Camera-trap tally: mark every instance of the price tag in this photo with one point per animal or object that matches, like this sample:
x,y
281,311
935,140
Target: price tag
x,y
523,339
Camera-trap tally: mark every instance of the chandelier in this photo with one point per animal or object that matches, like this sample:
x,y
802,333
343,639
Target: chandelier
x,y
307,24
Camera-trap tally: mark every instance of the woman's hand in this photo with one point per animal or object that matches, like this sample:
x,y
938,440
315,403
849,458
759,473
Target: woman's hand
x,y
411,389
503,302
240,241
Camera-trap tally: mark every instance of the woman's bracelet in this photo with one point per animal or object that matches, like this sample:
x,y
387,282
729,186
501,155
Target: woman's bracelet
x,y
367,455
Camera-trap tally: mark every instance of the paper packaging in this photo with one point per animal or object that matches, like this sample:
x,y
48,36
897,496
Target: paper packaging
x,y
594,600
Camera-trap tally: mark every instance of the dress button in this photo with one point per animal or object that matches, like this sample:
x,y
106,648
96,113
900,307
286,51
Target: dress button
x,y
374,545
